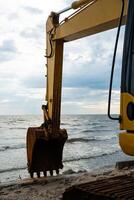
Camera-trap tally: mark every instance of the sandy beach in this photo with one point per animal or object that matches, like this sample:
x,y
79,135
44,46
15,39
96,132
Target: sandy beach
x,y
52,187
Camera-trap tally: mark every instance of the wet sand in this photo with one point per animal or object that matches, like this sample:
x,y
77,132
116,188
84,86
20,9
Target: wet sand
x,y
51,187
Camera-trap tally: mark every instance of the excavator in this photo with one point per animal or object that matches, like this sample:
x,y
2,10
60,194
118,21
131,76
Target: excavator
x,y
45,143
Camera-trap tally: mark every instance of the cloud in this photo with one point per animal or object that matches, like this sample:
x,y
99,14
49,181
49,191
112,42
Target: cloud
x,y
86,81
36,33
34,81
13,16
30,33
87,62
8,46
88,101
20,100
7,50
33,10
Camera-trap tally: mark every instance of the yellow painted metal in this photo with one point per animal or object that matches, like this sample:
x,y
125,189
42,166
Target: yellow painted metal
x,y
54,75
126,141
101,16
77,4
126,124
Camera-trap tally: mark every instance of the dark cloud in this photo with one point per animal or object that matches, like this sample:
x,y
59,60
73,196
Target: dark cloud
x,y
94,75
7,50
79,81
93,72
83,95
32,10
87,74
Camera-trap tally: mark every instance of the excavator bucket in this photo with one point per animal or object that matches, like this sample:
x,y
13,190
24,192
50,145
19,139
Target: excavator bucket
x,y
44,150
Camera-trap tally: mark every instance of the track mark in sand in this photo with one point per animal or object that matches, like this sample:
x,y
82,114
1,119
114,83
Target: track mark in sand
x,y
18,191
3,193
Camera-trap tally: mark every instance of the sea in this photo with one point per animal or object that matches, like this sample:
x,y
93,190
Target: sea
x,y
92,144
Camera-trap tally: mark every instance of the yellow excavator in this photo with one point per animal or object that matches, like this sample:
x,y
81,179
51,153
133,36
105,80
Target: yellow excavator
x,y
45,143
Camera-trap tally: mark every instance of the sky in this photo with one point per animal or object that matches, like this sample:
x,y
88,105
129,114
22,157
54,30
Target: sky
x,y
86,67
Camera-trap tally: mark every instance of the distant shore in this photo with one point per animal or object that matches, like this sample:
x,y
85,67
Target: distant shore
x,y
52,187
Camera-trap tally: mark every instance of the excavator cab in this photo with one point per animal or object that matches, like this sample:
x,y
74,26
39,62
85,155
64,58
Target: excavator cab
x,y
126,138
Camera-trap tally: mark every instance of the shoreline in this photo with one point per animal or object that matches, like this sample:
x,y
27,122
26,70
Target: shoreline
x,y
53,187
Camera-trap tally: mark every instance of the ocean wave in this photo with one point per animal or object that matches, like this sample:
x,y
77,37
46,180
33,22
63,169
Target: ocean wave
x,y
70,171
5,148
21,120
72,140
91,139
12,128
97,130
62,123
91,157
98,124
12,169
15,128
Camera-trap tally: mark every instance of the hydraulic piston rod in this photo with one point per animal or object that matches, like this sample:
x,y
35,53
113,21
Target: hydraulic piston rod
x,y
75,5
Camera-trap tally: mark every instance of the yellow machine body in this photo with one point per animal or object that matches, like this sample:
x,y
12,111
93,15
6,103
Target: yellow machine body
x,y
126,123
126,141
126,138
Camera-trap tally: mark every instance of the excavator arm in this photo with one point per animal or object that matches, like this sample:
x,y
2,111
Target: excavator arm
x,y
96,17
45,143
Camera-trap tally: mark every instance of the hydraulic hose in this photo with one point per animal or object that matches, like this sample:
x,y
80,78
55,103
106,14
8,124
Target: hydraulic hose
x,y
113,64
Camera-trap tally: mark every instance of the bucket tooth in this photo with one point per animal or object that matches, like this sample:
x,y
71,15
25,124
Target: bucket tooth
x,y
38,174
57,171
51,172
31,174
45,173
44,150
